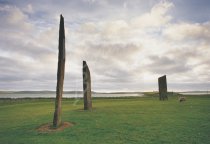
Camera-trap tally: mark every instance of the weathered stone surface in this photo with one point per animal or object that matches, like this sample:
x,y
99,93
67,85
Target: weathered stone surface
x,y
87,87
60,74
162,88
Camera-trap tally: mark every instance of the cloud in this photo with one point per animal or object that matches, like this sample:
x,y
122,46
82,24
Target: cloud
x,y
29,9
110,62
165,65
156,18
188,31
15,18
127,45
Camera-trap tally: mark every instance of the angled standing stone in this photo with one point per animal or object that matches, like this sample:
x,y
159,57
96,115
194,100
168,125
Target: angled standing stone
x,y
60,74
87,87
162,88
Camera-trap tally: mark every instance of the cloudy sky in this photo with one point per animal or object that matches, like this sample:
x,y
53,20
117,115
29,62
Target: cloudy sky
x,y
127,44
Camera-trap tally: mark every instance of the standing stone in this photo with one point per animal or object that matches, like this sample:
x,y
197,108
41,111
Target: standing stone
x,y
87,87
162,88
60,74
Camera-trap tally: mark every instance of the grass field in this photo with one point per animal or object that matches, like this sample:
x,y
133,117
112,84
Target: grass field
x,y
116,121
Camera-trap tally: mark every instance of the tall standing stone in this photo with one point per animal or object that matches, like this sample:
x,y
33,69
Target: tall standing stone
x,y
60,74
87,87
162,83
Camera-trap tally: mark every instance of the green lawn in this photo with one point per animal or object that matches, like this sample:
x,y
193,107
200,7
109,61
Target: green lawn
x,y
115,121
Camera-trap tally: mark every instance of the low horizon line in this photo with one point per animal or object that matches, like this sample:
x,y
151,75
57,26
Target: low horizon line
x,y
102,91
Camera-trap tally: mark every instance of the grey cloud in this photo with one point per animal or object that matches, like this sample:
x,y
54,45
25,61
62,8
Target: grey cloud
x,y
12,70
184,53
107,54
179,59
15,74
109,63
112,57
122,52
83,10
190,86
187,32
20,50
166,65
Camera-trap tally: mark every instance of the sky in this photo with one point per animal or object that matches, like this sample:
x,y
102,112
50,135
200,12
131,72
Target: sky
x,y
127,44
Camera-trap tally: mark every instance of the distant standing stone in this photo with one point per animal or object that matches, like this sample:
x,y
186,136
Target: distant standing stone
x,y
162,83
87,87
60,74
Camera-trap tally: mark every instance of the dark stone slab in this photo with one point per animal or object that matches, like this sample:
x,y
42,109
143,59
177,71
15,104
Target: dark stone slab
x,y
87,87
60,74
162,88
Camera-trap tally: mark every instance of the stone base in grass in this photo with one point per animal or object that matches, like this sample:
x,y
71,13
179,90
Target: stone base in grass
x,y
45,128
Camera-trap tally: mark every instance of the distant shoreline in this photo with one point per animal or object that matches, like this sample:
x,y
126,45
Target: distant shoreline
x,y
66,98
65,92
42,94
79,94
93,92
